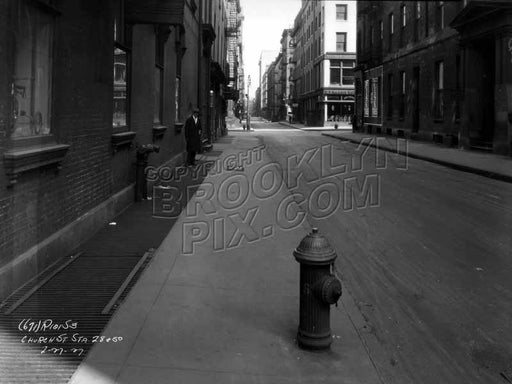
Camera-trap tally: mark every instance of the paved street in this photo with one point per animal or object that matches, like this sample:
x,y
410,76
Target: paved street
x,y
426,257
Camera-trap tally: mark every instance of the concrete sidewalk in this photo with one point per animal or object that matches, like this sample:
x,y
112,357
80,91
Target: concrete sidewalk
x,y
480,163
219,301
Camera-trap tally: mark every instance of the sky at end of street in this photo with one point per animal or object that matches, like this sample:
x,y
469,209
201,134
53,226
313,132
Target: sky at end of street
x,y
264,21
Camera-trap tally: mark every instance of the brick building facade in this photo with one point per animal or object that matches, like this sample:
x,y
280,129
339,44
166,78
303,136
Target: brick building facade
x,y
436,70
82,85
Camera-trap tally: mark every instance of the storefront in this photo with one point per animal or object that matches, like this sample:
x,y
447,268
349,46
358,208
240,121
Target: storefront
x,y
338,104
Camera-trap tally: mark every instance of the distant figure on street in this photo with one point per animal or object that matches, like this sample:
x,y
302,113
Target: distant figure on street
x,y
353,121
193,136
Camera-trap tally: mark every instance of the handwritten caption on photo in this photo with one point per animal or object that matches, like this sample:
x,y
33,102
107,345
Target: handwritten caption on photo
x,y
47,334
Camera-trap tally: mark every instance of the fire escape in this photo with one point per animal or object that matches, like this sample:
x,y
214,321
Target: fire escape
x,y
234,46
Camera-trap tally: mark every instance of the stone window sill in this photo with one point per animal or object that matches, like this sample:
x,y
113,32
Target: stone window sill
x,y
21,160
159,131
122,140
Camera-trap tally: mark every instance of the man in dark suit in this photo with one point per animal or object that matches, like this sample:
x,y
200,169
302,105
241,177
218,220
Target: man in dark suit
x,y
193,136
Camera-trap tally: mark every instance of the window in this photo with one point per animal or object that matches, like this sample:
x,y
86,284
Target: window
x,y
348,72
121,74
417,16
440,14
426,19
391,21
390,96
159,76
335,72
341,12
438,91
31,77
366,107
374,97
342,72
403,23
341,42
457,87
402,94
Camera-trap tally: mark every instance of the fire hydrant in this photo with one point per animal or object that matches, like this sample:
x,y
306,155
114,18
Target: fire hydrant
x,y
143,151
319,289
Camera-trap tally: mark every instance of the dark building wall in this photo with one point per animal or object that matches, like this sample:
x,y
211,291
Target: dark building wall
x,y
43,201
143,93
470,39
48,212
189,72
423,62
172,143
413,50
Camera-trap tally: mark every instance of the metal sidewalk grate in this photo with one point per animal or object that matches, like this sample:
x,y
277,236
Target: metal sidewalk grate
x,y
54,324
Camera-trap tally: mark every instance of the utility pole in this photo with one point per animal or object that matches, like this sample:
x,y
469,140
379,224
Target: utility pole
x,y
248,103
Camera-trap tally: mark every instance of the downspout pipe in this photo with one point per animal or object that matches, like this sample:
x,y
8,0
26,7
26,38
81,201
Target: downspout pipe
x,y
199,53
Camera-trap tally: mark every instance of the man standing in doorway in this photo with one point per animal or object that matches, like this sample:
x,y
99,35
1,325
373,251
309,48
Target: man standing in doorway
x,y
193,136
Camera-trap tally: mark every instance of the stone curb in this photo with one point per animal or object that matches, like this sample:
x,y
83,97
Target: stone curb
x,y
458,167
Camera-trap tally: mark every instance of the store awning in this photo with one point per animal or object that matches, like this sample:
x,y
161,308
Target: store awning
x,y
168,12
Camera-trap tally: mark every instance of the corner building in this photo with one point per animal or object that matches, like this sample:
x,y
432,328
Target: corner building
x,y
324,36
437,71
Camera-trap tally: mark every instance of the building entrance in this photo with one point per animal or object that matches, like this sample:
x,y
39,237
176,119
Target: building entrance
x,y
483,74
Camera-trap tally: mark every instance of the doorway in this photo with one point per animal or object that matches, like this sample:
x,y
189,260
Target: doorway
x,y
485,79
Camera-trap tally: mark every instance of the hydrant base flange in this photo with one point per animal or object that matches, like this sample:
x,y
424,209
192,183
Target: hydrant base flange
x,y
314,342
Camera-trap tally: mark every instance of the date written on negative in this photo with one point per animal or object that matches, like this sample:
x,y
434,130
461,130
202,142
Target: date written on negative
x,y
61,351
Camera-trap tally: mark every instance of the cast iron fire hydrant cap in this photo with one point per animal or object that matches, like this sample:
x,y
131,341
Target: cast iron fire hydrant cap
x,y
314,249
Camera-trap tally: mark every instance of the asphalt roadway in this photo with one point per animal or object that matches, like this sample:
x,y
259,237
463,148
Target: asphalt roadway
x,y
423,249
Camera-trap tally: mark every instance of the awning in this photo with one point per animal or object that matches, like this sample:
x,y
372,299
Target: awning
x,y
155,11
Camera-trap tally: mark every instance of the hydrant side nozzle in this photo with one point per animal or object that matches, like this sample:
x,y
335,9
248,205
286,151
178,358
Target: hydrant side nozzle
x,y
328,289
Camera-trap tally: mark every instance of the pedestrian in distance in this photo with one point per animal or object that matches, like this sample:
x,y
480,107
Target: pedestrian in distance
x,y
193,136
